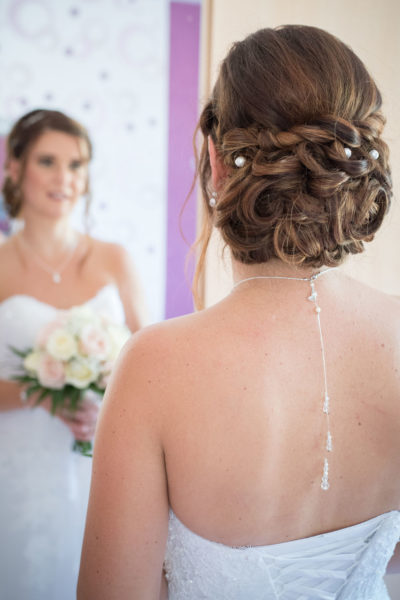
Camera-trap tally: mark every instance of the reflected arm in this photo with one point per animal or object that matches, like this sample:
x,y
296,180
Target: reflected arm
x,y
10,395
130,290
81,423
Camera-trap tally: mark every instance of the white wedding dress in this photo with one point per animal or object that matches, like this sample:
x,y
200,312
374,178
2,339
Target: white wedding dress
x,y
347,564
44,486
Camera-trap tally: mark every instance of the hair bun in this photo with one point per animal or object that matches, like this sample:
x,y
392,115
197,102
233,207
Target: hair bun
x,y
302,110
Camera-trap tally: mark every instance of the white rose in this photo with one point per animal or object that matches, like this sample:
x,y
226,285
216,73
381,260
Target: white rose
x,y
94,341
80,316
51,372
61,345
81,372
118,336
32,361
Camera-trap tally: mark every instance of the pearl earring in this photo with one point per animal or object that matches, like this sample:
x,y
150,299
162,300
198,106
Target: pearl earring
x,y
240,161
213,200
374,154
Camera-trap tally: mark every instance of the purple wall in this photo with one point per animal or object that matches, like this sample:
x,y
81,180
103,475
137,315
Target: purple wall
x,y
183,116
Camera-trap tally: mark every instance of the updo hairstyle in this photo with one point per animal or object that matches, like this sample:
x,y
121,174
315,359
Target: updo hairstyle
x,y
23,135
294,102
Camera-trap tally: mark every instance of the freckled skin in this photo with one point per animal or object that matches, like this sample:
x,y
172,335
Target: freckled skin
x,y
244,418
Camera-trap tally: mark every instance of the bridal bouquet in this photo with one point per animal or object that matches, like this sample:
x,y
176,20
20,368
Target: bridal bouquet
x,y
73,354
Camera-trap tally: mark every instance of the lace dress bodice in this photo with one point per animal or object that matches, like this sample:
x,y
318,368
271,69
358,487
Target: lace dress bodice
x,y
44,485
347,564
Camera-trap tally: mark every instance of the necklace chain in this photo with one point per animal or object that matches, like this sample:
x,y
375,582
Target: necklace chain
x,y
54,272
313,297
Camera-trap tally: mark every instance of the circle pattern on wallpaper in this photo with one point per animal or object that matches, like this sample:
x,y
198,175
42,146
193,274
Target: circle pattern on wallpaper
x,y
47,42
91,106
125,3
136,47
30,18
18,75
95,32
15,105
126,102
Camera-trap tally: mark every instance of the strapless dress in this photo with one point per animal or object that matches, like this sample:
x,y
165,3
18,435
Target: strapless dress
x,y
44,486
346,564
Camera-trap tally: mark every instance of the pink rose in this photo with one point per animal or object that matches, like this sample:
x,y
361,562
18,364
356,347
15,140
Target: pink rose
x,y
94,342
51,372
48,329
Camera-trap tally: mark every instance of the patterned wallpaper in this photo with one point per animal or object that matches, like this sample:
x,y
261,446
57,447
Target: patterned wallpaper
x,y
104,62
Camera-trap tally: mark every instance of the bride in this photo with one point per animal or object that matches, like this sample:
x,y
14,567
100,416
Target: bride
x,y
252,450
45,267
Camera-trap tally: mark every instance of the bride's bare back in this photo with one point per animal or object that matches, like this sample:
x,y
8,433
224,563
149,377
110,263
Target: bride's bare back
x,y
244,438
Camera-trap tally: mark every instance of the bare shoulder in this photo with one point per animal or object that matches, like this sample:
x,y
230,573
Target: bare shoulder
x,y
161,358
113,258
10,268
163,344
150,375
7,249
375,317
386,307
113,253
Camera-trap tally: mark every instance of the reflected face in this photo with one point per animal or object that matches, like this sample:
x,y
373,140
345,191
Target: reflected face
x,y
55,174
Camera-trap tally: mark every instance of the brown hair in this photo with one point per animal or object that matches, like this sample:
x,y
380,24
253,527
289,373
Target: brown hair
x,y
293,101
21,138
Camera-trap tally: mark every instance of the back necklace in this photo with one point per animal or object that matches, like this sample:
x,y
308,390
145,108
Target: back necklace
x,y
313,297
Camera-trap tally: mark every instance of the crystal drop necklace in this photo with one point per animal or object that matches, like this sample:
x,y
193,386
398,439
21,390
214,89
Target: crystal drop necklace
x,y
54,272
313,297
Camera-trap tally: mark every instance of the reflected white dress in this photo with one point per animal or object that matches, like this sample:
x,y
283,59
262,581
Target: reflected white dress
x,y
44,486
346,564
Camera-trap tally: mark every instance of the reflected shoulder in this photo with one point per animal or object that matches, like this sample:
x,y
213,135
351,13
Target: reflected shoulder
x,y
8,254
111,249
113,256
7,246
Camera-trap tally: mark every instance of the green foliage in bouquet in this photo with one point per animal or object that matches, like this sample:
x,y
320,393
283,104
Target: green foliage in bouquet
x,y
67,397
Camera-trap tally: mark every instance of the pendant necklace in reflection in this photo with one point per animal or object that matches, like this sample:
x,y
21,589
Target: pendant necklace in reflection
x,y
56,272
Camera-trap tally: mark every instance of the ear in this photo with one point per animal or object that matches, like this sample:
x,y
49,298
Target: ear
x,y
13,169
218,169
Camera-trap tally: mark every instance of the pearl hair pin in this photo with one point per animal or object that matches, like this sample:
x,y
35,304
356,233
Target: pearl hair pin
x,y
374,154
240,161
347,152
313,297
213,200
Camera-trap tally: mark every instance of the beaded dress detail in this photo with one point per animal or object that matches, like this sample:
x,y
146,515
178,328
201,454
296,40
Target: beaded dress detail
x,y
346,564
44,485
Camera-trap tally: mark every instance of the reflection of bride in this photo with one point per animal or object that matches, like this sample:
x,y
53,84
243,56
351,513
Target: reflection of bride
x,y
259,455
45,267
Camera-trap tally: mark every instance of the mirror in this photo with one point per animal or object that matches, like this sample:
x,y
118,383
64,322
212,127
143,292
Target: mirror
x,y
128,71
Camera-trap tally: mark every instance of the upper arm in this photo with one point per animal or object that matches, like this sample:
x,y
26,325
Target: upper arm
x,y
130,288
127,520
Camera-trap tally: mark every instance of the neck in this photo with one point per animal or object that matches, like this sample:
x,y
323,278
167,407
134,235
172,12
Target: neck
x,y
49,238
273,268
